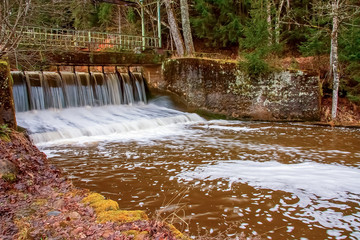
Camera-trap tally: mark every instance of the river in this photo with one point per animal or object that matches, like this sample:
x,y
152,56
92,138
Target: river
x,y
214,178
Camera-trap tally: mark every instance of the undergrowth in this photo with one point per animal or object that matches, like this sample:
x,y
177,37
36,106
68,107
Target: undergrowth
x,y
5,133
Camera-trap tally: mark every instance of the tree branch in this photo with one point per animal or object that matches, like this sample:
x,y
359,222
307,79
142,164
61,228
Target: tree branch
x,y
306,25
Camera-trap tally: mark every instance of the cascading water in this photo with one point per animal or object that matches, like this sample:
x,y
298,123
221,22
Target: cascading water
x,y
44,90
70,106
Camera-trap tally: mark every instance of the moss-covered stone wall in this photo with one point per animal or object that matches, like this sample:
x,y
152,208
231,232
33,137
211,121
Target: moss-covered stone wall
x,y
222,87
7,109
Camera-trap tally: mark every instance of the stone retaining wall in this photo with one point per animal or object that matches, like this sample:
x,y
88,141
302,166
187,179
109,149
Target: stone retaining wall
x,y
222,87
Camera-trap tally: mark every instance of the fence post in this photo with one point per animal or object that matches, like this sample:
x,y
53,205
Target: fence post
x,y
89,34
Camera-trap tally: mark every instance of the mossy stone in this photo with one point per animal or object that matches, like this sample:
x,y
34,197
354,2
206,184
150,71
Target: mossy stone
x,y
105,205
92,198
121,216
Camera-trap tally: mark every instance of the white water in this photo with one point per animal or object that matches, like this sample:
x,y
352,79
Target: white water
x,y
55,126
45,90
315,185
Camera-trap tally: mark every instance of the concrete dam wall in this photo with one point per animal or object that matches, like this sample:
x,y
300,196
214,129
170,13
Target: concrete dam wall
x,y
222,87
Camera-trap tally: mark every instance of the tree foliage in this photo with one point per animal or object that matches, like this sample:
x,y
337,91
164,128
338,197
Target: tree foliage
x,y
220,22
350,54
105,14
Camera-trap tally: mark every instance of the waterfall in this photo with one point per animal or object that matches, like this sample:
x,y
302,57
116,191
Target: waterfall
x,y
95,106
44,90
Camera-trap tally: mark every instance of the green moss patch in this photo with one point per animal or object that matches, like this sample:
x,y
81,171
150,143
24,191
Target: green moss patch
x,y
121,216
9,177
105,205
92,198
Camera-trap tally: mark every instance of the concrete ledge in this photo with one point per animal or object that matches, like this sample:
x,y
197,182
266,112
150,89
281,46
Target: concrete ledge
x,y
80,58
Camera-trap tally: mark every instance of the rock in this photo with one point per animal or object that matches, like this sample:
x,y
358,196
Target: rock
x,y
142,236
53,213
8,170
107,233
77,231
82,235
58,204
74,215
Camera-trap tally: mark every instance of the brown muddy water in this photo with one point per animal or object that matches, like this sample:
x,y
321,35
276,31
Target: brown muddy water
x,y
216,178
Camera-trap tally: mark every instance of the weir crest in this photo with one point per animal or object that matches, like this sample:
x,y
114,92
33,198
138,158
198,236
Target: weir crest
x,y
43,90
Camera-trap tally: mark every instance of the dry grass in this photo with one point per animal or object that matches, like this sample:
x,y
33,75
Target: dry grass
x,y
348,113
173,211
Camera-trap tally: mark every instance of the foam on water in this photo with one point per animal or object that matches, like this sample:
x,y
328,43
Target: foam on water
x,y
322,189
101,123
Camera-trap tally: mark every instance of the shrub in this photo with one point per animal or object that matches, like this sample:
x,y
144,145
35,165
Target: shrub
x,y
254,65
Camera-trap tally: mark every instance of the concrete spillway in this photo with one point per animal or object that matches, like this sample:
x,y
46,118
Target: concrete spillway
x,y
44,90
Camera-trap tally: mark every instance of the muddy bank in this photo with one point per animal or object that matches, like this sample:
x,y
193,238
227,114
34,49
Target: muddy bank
x,y
37,202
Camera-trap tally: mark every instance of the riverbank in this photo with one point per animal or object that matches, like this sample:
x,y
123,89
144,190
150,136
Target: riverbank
x,y
37,202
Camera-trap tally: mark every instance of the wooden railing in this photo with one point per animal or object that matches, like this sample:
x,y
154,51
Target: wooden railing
x,y
50,38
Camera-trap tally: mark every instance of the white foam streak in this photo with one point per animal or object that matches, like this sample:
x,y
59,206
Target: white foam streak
x,y
323,180
316,186
99,123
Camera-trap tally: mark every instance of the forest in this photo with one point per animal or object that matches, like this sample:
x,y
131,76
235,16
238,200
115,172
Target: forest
x,y
324,36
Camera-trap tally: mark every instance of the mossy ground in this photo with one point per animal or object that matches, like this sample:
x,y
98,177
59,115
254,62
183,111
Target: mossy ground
x,y
92,198
105,205
121,216
9,177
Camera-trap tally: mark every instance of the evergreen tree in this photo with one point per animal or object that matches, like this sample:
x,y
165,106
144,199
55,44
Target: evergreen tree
x,y
219,21
349,45
84,14
105,15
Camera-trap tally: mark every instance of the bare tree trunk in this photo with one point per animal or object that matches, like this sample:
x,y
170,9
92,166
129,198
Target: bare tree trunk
x,y
277,24
174,28
155,18
334,56
268,11
119,20
288,12
288,9
185,19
